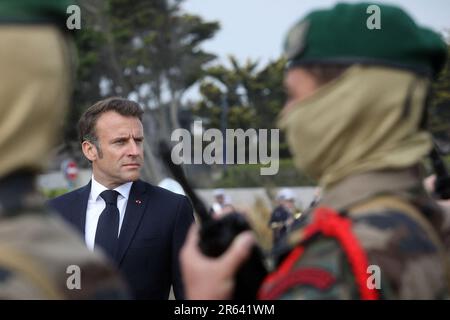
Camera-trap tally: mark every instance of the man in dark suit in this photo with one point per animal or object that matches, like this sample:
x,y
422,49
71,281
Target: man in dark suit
x,y
140,227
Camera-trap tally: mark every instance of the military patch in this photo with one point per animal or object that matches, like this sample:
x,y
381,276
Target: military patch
x,y
318,278
295,40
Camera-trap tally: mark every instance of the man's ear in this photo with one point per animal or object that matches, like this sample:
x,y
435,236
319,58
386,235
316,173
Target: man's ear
x,y
89,150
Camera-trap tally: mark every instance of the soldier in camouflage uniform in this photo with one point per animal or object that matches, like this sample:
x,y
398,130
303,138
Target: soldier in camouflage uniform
x,y
354,121
40,256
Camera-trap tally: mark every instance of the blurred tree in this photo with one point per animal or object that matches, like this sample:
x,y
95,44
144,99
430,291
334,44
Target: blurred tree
x,y
439,113
148,50
250,97
90,65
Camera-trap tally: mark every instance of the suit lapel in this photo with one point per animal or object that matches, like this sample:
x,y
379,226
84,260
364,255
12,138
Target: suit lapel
x,y
79,207
133,215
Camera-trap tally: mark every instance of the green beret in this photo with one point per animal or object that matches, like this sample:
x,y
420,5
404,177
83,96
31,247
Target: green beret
x,y
368,34
33,11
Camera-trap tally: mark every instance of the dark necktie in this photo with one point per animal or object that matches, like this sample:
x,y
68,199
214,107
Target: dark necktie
x,y
107,232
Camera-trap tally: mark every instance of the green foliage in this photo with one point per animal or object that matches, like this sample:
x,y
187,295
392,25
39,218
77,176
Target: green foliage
x,y
89,65
125,44
248,175
247,97
156,44
52,193
439,113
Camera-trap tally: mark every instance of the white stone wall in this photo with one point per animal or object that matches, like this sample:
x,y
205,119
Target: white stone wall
x,y
239,196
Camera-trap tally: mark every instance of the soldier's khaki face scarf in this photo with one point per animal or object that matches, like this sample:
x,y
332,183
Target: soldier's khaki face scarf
x,y
358,123
34,88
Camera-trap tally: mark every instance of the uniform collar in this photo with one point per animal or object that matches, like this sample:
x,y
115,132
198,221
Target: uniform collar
x,y
97,188
363,186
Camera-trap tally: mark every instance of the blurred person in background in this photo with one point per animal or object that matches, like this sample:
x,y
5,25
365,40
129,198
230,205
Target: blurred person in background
x,y
284,213
222,204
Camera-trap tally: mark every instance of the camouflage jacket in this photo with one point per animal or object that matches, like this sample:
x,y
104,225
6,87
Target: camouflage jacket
x,y
403,233
43,258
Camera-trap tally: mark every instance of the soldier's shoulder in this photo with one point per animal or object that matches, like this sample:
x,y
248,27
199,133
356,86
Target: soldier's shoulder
x,y
387,226
26,278
407,249
44,253
14,285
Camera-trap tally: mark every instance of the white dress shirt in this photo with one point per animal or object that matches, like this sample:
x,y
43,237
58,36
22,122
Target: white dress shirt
x,y
96,204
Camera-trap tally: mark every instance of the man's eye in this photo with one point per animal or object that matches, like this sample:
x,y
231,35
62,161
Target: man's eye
x,y
120,142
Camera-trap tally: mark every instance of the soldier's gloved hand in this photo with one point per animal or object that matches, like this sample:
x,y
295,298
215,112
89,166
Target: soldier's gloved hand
x,y
207,278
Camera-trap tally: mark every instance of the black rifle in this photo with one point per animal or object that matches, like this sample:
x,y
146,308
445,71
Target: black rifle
x,y
216,235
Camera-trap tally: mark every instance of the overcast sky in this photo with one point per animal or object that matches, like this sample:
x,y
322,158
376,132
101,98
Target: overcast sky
x,y
256,28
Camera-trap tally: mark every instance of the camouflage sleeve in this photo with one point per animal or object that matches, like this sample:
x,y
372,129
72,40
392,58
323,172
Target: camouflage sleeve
x,y
13,286
42,257
99,284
